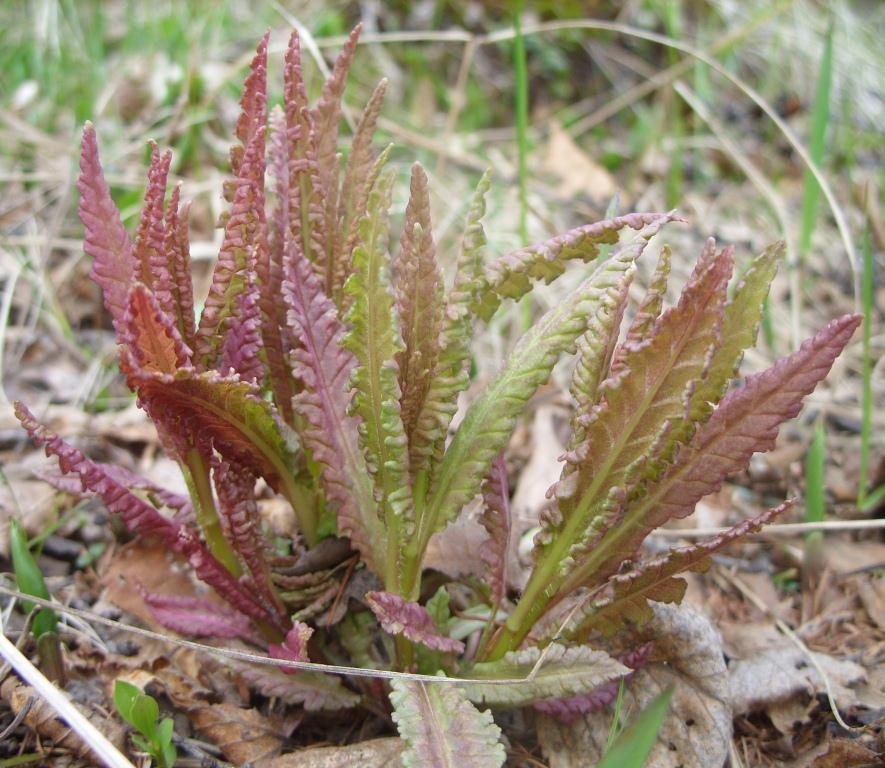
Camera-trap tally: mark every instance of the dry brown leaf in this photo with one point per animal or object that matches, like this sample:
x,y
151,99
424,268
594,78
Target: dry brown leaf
x,y
575,171
455,551
845,556
697,730
842,753
872,595
44,720
243,735
153,566
782,671
376,753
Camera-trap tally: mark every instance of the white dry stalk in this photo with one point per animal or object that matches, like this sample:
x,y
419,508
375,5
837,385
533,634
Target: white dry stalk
x,y
91,736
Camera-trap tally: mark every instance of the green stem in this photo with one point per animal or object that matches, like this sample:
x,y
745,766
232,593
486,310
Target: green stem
x,y
410,578
196,474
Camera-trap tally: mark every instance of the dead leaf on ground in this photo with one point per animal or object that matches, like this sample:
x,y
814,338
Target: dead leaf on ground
x,y
843,753
376,753
782,671
243,735
150,564
872,596
697,730
44,720
576,172
845,556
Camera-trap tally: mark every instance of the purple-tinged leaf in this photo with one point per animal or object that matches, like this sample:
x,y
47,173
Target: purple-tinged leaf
x,y
173,284
746,421
238,510
242,342
312,690
374,340
420,305
510,276
308,190
269,271
740,324
150,337
624,601
253,104
570,709
150,239
244,238
650,308
139,516
323,368
127,478
595,350
354,193
294,647
113,264
631,430
400,617
450,376
556,671
442,729
213,573
327,112
199,617
495,518
243,427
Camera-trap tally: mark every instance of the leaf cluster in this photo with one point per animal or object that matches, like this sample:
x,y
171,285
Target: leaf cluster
x,y
328,362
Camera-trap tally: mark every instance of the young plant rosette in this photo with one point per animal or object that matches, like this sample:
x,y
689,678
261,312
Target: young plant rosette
x,y
331,370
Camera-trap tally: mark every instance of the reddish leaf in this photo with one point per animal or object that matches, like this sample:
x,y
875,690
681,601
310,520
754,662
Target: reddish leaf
x,y
139,516
113,264
199,617
400,617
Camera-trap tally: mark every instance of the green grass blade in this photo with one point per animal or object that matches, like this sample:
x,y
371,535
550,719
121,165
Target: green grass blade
x,y
866,426
632,747
520,67
815,501
817,144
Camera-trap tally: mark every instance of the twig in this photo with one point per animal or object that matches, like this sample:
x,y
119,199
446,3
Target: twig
x,y
782,529
91,736
257,658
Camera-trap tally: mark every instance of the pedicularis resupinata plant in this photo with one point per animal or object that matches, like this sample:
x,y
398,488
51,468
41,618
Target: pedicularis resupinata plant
x,y
328,360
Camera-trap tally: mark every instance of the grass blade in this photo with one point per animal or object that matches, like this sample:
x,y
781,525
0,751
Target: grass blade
x,y
631,748
817,144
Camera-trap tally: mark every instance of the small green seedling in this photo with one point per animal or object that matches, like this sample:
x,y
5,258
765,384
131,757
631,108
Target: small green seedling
x,y
631,748
142,712
30,580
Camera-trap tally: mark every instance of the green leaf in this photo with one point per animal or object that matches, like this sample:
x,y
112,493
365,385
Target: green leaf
x,y
244,428
420,305
124,697
632,747
451,375
29,579
143,715
375,341
136,708
563,671
510,276
164,731
740,325
489,421
442,729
